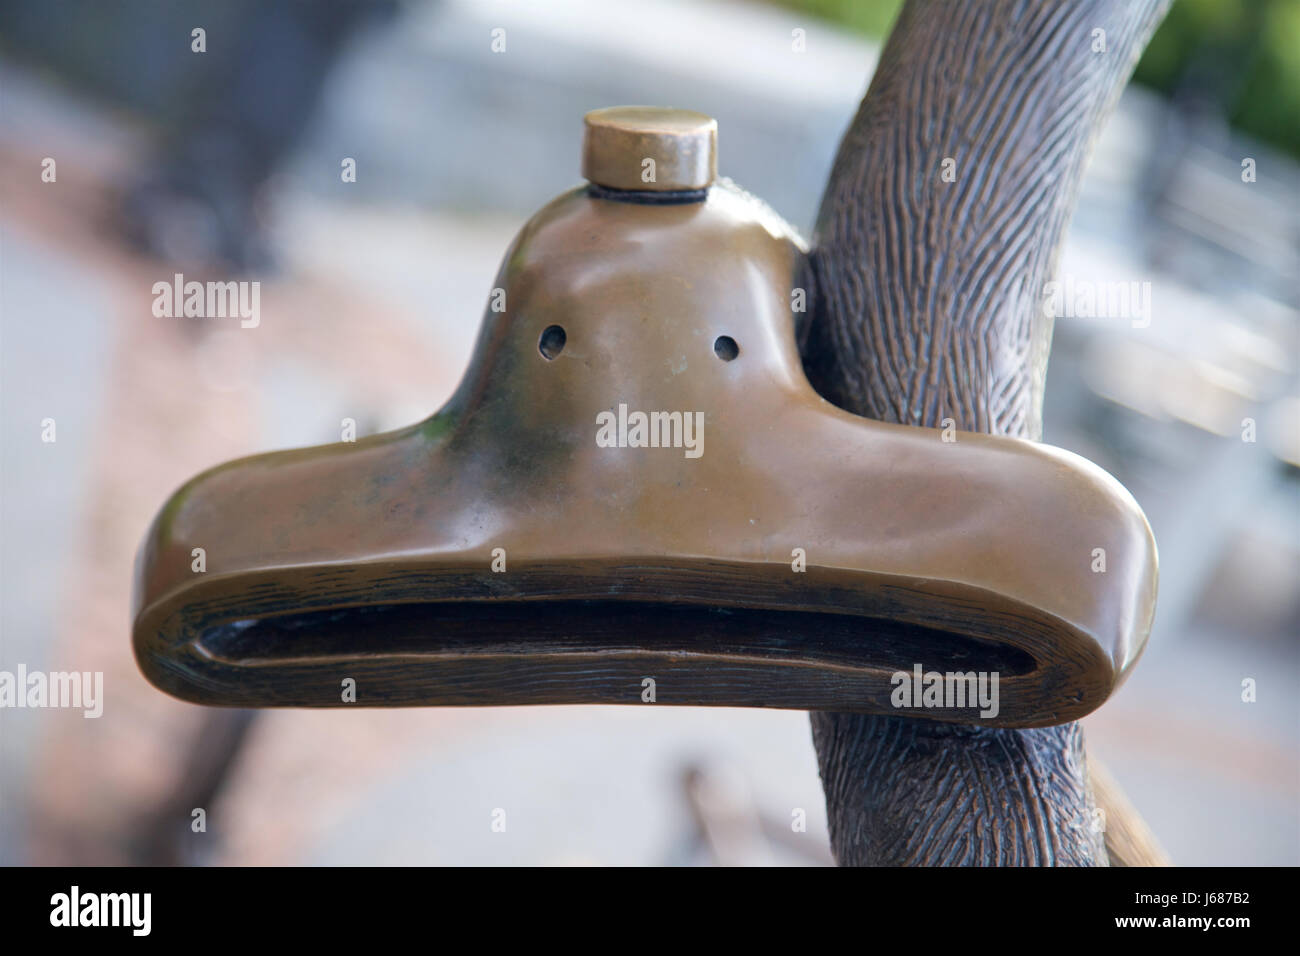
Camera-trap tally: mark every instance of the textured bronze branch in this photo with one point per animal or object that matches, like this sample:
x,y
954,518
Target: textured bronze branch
x,y
926,307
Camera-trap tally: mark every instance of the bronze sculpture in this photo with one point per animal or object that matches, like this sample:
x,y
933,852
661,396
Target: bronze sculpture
x,y
1001,48
741,541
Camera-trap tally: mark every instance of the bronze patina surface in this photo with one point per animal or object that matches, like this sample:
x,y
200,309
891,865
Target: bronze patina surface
x,y
649,148
788,554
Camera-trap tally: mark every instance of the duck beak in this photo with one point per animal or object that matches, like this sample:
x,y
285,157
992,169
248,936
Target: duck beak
x,y
635,496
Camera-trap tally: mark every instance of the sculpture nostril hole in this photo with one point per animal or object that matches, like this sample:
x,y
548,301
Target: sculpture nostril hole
x,y
725,348
552,341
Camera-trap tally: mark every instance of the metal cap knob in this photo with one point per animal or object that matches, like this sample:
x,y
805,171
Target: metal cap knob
x,y
649,148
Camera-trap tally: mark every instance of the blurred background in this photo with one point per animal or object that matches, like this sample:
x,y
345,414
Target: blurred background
x,y
463,117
